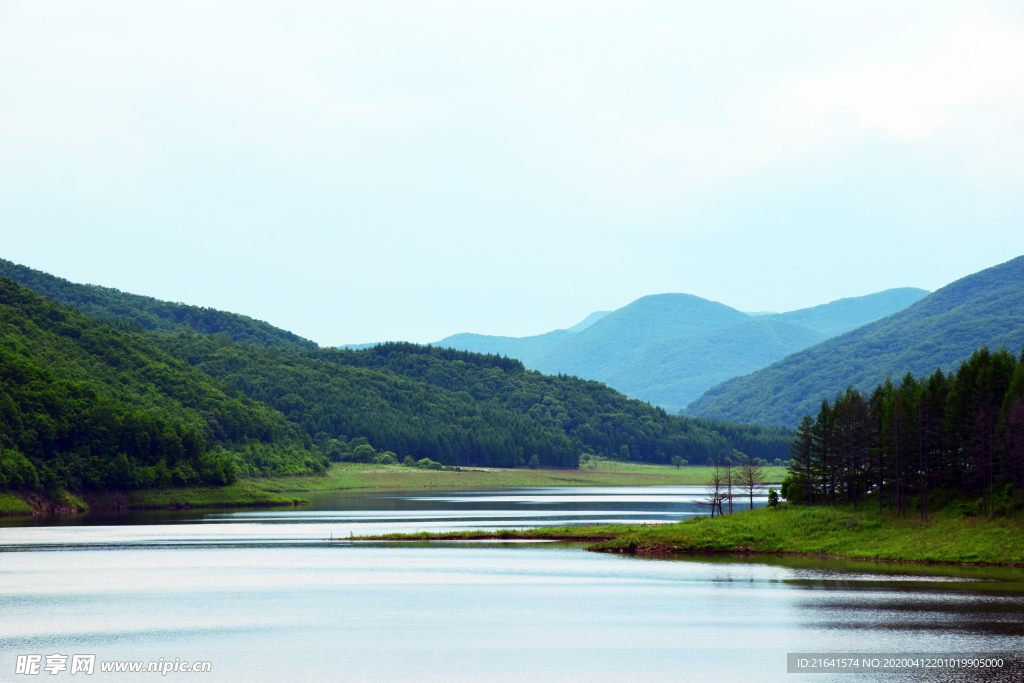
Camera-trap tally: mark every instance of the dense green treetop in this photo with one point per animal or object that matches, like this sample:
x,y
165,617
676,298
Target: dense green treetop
x,y
85,405
597,418
121,309
462,408
920,444
940,331
336,402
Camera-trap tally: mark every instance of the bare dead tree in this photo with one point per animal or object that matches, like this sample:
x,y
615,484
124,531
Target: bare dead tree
x,y
751,478
714,491
729,476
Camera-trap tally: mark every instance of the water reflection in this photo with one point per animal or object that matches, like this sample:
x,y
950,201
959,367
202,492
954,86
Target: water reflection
x,y
343,513
264,597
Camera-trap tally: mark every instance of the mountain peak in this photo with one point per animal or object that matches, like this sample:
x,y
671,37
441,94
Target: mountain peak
x,y
939,331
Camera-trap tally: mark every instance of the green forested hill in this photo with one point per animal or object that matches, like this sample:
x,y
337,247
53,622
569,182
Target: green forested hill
x,y
336,403
84,405
458,407
121,309
939,331
596,418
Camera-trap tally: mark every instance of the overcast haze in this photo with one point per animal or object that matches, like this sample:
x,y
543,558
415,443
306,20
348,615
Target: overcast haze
x,y
358,172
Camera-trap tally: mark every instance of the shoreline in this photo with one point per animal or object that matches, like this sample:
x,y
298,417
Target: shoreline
x,y
33,504
658,550
827,533
278,491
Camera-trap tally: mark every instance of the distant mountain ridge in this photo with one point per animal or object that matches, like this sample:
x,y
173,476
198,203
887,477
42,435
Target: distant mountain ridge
x,y
939,331
842,315
588,321
668,349
616,338
684,368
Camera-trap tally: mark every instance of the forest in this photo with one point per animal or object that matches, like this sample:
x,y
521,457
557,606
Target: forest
x,y
597,418
101,401
86,406
335,403
950,439
461,408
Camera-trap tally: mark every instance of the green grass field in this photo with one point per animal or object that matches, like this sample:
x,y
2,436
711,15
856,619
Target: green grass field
x,y
64,502
819,531
13,504
270,491
236,495
397,477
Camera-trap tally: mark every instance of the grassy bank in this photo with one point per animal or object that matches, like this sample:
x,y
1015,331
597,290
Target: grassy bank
x,y
63,502
802,531
13,504
268,491
237,495
398,477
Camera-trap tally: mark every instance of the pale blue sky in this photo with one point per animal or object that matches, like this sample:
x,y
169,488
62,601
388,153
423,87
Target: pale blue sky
x,y
365,171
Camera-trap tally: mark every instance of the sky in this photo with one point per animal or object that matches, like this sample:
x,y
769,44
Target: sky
x,y
359,172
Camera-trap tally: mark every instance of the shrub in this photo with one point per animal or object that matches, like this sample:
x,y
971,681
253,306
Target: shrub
x,y
794,490
428,464
335,450
363,453
16,472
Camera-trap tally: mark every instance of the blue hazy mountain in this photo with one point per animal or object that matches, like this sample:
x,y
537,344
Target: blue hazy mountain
x,y
844,315
526,349
668,349
673,372
939,331
588,321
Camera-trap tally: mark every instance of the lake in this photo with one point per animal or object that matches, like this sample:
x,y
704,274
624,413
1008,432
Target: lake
x,y
263,596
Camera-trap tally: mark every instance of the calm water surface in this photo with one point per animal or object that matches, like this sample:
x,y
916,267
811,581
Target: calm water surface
x,y
264,597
